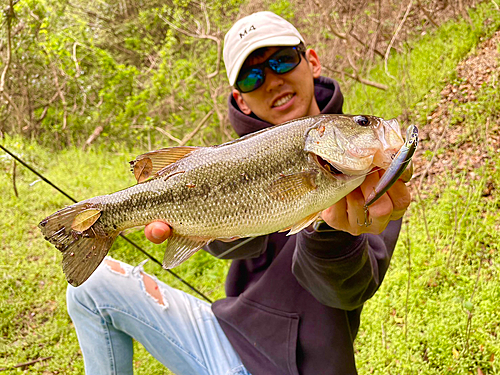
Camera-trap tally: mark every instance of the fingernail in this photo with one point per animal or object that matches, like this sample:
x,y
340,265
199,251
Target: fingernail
x,y
157,233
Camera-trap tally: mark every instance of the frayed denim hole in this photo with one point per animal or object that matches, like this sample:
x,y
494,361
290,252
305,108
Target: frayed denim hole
x,y
117,267
152,281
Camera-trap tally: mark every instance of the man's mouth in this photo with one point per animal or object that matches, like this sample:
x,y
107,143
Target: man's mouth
x,y
283,100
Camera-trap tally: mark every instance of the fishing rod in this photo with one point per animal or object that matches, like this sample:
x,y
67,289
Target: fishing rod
x,y
121,235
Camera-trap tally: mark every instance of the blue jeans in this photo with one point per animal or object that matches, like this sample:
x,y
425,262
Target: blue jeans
x,y
113,307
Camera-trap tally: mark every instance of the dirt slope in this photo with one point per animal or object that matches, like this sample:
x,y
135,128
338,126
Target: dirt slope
x,y
464,150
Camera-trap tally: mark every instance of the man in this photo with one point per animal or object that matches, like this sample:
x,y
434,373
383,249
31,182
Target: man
x,y
293,303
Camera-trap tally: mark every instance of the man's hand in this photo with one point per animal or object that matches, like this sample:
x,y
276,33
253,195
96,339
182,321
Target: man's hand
x,y
157,231
348,214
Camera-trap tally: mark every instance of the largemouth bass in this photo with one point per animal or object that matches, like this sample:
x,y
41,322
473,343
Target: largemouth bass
x,y
280,178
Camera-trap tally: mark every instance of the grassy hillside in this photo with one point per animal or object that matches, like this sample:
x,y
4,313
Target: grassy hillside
x,y
437,310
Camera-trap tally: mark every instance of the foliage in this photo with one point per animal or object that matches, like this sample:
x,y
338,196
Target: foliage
x,y
148,72
139,70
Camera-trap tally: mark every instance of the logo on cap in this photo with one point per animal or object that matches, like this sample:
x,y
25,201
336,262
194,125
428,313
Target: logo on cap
x,y
245,32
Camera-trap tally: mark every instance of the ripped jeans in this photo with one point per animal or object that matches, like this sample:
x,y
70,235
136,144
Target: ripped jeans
x,y
116,305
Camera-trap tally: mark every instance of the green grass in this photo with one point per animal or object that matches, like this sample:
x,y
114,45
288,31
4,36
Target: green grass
x,y
33,319
436,312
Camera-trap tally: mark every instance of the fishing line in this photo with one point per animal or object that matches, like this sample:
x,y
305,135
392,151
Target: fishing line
x,y
121,235
231,249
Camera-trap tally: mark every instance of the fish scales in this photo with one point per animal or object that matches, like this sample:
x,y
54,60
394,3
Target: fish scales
x,y
225,179
281,177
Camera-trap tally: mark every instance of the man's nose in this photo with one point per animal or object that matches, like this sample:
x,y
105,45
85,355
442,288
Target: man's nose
x,y
273,80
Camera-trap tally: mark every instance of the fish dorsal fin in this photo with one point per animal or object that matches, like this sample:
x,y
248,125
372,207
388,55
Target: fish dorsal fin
x,y
302,224
142,168
85,219
149,164
180,248
293,186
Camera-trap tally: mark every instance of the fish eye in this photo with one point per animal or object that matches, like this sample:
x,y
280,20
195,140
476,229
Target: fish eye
x,y
362,120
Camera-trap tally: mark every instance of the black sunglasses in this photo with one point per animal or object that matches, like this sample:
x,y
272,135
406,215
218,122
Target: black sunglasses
x,y
280,62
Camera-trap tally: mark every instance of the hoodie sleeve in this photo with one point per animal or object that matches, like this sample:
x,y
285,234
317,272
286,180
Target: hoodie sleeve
x,y
341,270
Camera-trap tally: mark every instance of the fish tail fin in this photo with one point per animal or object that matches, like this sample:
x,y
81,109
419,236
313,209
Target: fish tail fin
x,y
76,232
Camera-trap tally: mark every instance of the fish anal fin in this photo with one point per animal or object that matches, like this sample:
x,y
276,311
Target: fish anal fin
x,y
159,159
180,248
293,186
302,224
85,219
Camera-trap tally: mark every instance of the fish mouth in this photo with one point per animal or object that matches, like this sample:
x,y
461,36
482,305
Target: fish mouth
x,y
330,169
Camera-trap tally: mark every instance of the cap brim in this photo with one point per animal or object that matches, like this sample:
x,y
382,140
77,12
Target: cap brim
x,y
277,41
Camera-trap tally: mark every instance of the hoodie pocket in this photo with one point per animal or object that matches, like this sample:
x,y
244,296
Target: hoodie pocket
x,y
272,332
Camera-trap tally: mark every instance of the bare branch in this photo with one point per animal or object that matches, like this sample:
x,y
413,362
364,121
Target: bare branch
x,y
26,364
201,34
75,59
14,179
355,37
217,66
189,136
427,14
10,15
92,14
61,95
93,136
377,85
177,140
394,38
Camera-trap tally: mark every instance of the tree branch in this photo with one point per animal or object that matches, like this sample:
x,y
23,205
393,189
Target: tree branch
x,y
75,59
200,34
26,364
189,136
394,38
356,77
427,14
61,95
9,15
170,136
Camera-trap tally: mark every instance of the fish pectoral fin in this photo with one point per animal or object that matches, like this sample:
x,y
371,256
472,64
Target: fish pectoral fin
x,y
293,186
151,163
302,224
85,219
180,248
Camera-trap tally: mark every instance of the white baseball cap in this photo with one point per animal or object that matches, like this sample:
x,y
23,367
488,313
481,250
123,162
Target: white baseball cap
x,y
261,29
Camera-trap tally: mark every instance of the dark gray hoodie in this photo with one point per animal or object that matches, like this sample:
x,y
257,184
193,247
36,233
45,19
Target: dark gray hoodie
x,y
293,303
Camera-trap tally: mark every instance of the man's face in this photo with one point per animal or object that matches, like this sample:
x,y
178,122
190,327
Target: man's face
x,y
282,97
